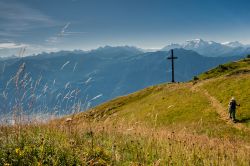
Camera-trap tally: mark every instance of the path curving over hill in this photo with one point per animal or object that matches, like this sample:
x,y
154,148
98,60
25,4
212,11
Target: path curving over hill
x,y
218,107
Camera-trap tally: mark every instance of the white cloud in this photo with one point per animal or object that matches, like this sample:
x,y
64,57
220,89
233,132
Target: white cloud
x,y
20,12
12,45
61,34
11,48
16,18
53,39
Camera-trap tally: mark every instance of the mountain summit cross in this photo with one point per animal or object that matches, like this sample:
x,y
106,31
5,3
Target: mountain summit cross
x,y
172,57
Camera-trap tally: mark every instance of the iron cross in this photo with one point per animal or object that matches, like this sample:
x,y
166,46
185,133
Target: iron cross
x,y
172,58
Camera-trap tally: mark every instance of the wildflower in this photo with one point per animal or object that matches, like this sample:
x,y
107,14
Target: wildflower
x,y
17,150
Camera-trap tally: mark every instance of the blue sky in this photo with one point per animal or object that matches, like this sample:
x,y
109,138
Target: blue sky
x,y
51,25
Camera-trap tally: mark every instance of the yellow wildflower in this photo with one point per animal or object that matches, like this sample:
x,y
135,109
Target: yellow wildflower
x,y
18,150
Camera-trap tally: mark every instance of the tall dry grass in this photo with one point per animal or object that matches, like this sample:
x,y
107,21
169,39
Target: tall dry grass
x,y
64,142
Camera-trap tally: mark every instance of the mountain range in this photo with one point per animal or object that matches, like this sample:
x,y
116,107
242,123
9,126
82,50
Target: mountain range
x,y
61,81
211,48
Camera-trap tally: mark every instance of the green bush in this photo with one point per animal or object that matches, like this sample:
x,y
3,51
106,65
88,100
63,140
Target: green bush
x,y
195,78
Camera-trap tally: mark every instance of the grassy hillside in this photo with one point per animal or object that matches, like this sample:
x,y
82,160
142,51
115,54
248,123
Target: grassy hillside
x,y
167,124
231,79
184,105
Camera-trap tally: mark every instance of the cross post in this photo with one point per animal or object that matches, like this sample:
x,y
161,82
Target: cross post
x,y
172,58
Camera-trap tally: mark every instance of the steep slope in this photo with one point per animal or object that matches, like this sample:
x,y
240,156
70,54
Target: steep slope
x,y
197,106
107,72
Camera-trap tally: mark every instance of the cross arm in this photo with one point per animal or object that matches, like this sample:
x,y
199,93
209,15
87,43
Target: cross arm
x,y
172,57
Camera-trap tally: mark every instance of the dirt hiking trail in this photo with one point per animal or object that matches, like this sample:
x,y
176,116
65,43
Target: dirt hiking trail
x,y
218,107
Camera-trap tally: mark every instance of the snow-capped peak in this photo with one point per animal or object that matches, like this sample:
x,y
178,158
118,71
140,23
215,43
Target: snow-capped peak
x,y
196,43
195,40
212,48
233,44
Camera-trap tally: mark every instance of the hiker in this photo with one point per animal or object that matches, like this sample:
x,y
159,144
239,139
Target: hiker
x,y
232,109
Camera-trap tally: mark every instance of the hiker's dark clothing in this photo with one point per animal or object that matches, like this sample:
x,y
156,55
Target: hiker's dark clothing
x,y
232,114
233,105
232,109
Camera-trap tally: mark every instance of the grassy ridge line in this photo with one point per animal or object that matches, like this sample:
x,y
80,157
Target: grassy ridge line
x,y
231,68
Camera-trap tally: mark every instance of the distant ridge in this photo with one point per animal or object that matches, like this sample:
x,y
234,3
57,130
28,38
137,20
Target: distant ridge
x,y
211,48
107,72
